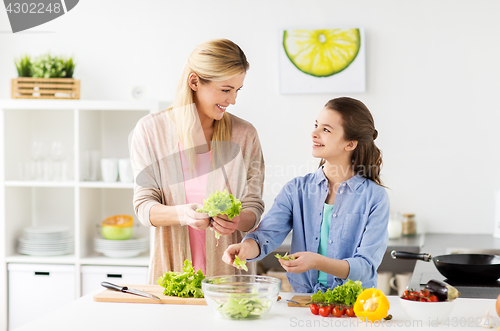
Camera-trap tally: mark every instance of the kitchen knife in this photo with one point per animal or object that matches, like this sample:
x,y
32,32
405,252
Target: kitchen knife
x,y
125,289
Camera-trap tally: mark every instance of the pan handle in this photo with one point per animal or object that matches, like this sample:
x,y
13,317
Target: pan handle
x,y
411,256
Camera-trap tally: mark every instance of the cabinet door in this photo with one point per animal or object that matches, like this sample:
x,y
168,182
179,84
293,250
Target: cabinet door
x,y
92,276
36,289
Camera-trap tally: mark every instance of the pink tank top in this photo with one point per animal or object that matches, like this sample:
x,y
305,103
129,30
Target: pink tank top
x,y
195,186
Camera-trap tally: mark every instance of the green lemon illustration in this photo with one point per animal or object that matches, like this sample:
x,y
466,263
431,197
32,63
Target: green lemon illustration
x,y
322,53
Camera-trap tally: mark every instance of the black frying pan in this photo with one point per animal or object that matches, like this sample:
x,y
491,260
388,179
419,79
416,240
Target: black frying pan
x,y
460,267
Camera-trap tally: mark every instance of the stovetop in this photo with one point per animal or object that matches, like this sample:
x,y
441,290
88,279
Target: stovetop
x,y
489,290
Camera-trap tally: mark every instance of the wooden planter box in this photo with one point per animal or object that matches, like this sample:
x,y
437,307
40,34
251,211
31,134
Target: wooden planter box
x,y
45,88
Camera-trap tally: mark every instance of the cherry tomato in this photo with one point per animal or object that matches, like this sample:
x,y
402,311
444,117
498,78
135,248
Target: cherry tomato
x,y
405,293
314,308
337,312
425,293
350,312
325,311
433,298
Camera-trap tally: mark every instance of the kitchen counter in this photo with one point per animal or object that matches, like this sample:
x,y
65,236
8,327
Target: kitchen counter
x,y
85,314
440,244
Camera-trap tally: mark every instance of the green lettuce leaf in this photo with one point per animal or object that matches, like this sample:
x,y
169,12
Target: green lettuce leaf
x,y
221,203
345,294
239,263
285,257
183,284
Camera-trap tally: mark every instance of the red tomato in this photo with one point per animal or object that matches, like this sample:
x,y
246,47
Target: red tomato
x,y
325,311
350,312
337,312
314,308
433,298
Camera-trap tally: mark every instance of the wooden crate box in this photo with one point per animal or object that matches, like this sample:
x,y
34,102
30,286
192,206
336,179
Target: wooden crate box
x,y
45,88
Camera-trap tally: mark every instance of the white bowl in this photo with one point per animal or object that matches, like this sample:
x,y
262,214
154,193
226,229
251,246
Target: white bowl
x,y
427,312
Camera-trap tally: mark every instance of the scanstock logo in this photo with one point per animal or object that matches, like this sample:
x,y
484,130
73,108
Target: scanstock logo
x,y
24,14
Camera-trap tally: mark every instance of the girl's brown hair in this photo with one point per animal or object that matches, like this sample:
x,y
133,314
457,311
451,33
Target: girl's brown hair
x,y
358,125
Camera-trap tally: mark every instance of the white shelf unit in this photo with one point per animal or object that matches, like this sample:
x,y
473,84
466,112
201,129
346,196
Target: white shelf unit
x,y
81,125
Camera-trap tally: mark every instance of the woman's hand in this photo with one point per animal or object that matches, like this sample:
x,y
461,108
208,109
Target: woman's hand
x,y
224,225
188,216
248,249
303,262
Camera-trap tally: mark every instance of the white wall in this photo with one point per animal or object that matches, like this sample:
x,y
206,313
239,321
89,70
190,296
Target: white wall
x,y
433,69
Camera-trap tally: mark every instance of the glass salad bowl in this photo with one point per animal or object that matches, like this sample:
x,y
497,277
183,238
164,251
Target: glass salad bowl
x,y
241,296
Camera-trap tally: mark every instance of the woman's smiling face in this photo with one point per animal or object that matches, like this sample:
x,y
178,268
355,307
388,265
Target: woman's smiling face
x,y
214,97
328,136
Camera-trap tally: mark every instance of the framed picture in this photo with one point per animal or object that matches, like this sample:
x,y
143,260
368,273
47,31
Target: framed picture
x,y
322,61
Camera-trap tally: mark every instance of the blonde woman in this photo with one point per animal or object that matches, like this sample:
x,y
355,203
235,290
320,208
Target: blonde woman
x,y
194,148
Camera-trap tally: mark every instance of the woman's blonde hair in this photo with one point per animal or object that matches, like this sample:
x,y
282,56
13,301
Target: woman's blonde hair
x,y
213,60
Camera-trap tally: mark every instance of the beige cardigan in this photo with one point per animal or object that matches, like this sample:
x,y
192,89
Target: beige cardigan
x,y
158,176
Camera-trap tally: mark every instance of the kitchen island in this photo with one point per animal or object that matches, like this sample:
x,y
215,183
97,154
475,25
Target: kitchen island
x,y
85,314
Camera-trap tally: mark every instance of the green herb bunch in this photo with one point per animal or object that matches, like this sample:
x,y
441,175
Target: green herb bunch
x,y
183,284
45,66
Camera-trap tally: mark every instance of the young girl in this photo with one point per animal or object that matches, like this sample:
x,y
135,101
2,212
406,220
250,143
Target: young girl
x,y
338,214
184,153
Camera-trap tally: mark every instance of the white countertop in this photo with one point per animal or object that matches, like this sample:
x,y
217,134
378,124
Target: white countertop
x,y
85,314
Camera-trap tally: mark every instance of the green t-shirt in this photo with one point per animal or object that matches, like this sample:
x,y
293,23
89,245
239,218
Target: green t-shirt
x,y
323,241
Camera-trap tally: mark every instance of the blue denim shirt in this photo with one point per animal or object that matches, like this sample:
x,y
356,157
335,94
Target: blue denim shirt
x,y
358,230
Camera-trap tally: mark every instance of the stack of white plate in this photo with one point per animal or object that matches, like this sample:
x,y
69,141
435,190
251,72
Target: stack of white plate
x,y
46,241
121,248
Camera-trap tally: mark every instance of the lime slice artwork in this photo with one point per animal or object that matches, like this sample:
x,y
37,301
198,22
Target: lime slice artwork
x,y
324,52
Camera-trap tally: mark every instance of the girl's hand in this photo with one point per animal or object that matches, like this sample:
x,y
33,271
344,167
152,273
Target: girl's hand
x,y
230,252
224,225
245,250
303,262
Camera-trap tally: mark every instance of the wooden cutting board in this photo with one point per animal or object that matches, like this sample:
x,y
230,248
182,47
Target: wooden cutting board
x,y
116,296
302,300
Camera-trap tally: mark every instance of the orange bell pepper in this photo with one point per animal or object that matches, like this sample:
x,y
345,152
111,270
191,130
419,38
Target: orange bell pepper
x,y
371,305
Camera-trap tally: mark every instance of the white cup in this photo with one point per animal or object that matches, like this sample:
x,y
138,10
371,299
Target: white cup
x,y
394,227
109,169
402,281
125,171
383,282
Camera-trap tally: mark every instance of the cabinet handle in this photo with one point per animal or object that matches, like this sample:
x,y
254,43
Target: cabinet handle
x,y
42,273
114,276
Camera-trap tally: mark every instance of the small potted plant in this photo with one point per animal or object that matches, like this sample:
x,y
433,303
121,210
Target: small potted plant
x,y
46,77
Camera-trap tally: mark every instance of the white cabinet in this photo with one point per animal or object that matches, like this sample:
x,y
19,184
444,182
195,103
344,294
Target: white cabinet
x,y
36,289
43,189
92,276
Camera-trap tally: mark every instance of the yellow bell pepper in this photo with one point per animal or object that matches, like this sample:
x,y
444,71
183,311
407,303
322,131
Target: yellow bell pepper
x,y
371,305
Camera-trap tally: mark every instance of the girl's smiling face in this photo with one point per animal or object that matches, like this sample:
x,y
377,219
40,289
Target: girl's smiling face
x,y
328,137
214,97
